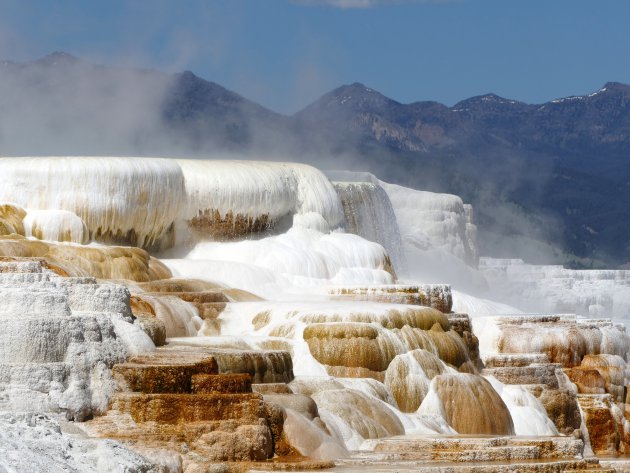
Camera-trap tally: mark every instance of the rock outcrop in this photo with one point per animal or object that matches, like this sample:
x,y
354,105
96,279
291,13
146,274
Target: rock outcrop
x,y
59,339
577,368
102,262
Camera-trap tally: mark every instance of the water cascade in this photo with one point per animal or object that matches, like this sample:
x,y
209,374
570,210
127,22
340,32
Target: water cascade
x,y
369,214
255,321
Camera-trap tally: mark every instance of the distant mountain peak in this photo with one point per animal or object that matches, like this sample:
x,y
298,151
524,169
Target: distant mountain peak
x,y
357,86
609,89
187,74
355,95
59,57
615,86
495,98
484,100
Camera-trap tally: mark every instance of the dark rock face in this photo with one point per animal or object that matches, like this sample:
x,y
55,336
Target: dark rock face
x,y
553,177
554,172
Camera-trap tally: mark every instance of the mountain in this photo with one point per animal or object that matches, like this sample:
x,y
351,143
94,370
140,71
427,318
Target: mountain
x,y
556,172
549,181
61,104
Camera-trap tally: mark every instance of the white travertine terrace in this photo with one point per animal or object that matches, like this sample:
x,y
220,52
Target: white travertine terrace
x,y
368,365
369,214
56,225
442,219
257,188
59,338
553,288
134,200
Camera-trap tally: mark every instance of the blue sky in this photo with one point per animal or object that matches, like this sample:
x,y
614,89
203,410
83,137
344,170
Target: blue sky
x,y
284,54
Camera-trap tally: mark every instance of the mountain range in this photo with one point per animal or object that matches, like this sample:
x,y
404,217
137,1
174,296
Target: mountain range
x,y
550,182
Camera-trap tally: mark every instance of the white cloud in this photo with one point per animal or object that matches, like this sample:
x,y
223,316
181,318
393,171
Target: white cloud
x,y
348,4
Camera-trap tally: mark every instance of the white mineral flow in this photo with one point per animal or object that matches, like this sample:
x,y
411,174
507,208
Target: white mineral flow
x,y
36,443
59,339
316,332
477,306
395,329
565,339
442,219
552,288
301,257
56,225
369,214
312,440
233,198
249,277
527,412
438,235
127,200
180,318
274,229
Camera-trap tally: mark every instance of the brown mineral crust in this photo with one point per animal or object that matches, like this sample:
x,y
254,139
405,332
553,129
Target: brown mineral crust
x,y
354,372
209,304
241,295
245,443
430,295
567,347
297,402
157,270
173,378
212,224
180,403
18,246
11,217
272,388
561,406
352,345
140,306
601,424
101,262
462,324
268,366
131,238
64,235
177,408
221,383
166,371
408,392
44,263
295,463
449,345
178,285
200,297
197,291
423,318
165,435
588,381
153,327
516,360
532,374
355,349
472,406
277,344
612,369
276,416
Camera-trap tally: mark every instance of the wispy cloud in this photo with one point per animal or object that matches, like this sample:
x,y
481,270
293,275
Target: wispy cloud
x,y
349,4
